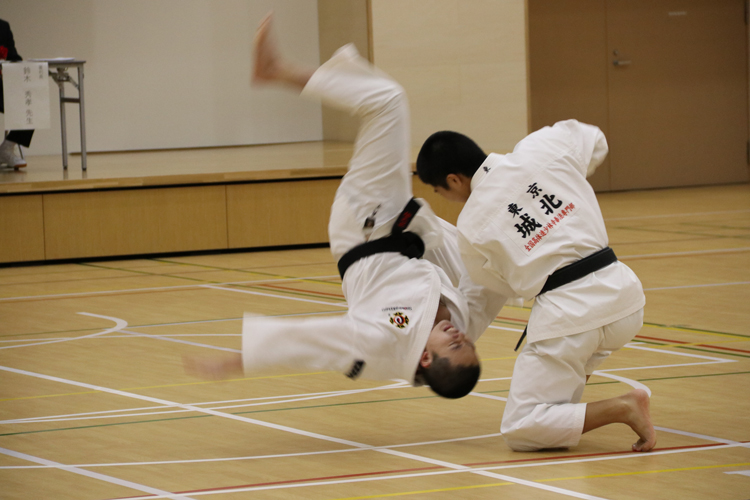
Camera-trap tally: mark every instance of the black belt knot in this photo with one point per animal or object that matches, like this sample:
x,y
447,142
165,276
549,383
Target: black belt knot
x,y
399,241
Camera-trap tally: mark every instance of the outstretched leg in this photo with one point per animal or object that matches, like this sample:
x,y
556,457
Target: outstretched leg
x,y
269,66
214,367
631,409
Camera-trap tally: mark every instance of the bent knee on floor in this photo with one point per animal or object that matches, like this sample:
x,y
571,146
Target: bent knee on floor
x,y
519,441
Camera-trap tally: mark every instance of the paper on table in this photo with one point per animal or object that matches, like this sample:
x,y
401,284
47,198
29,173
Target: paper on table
x,y
26,95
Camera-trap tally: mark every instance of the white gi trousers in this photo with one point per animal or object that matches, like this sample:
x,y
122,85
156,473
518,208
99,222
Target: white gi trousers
x,y
377,184
543,408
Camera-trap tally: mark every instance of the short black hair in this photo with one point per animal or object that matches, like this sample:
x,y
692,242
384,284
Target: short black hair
x,y
448,152
450,381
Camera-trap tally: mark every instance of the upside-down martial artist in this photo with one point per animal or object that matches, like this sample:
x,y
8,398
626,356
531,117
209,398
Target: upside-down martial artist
x,y
409,318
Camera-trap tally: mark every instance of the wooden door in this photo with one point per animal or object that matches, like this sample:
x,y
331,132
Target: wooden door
x,y
677,82
674,107
568,67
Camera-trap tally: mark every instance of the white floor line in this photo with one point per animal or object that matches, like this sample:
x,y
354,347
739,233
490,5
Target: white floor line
x,y
722,212
252,292
444,472
630,368
180,341
162,288
95,475
206,403
740,472
696,286
488,396
119,325
494,379
702,436
506,328
675,353
261,457
292,431
632,383
231,407
633,455
233,319
683,254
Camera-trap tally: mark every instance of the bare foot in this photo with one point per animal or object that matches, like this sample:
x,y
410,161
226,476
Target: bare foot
x,y
639,419
267,61
216,367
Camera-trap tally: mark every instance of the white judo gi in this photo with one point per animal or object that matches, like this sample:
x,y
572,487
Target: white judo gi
x,y
530,213
393,300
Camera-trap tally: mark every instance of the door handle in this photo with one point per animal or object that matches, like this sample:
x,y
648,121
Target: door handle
x,y
621,63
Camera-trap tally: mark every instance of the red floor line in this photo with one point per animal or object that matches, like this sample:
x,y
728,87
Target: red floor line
x,y
699,345
397,471
724,348
609,453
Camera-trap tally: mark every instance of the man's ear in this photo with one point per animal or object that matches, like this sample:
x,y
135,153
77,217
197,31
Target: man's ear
x,y
426,360
454,181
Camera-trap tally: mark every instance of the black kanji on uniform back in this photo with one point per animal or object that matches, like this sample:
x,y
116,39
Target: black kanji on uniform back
x,y
528,225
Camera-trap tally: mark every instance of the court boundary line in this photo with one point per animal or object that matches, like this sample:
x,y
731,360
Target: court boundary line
x,y
300,432
96,475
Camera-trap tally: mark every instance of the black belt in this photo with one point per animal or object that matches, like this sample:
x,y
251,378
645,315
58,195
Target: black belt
x,y
575,271
404,242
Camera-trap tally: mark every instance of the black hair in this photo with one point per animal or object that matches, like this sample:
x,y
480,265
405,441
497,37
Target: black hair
x,y
446,153
450,381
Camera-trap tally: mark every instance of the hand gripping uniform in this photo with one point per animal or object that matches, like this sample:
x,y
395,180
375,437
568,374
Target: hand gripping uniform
x,y
392,299
531,213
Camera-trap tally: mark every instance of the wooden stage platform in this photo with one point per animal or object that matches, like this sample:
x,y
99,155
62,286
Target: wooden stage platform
x,y
155,202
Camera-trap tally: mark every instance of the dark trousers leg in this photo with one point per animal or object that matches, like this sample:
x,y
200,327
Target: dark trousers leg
x,y
22,137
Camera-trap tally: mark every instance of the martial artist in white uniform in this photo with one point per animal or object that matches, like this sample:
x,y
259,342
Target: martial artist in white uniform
x,y
527,214
393,300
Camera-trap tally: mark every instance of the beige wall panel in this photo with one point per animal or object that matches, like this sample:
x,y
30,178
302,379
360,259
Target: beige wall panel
x,y
341,22
21,228
135,222
463,65
279,213
568,67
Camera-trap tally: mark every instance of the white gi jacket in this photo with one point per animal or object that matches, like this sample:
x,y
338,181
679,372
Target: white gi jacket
x,y
532,212
392,300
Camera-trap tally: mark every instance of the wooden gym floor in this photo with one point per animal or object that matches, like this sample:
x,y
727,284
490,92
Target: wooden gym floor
x,y
94,403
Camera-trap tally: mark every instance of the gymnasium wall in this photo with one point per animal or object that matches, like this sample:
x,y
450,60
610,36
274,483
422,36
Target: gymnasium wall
x,y
462,63
168,73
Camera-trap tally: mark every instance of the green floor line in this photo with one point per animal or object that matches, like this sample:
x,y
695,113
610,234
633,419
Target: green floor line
x,y
682,233
693,376
277,276
334,405
696,330
272,410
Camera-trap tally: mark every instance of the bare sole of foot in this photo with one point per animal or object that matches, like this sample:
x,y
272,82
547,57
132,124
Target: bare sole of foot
x,y
265,67
640,420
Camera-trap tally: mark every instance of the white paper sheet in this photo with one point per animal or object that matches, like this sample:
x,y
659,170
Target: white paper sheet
x,y
26,95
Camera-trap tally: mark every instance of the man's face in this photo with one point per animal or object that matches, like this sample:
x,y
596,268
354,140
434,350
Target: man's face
x,y
448,342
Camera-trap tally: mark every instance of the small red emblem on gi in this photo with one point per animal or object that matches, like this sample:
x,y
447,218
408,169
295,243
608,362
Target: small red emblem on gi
x,y
399,320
